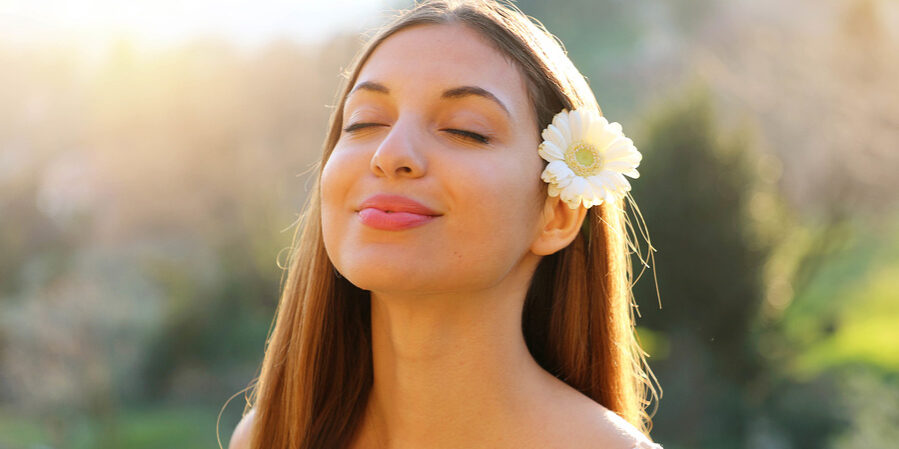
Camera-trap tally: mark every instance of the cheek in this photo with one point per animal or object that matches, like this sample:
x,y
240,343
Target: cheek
x,y
330,185
501,201
510,185
336,177
336,180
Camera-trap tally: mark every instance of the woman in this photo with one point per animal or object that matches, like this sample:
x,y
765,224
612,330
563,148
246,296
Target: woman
x,y
449,287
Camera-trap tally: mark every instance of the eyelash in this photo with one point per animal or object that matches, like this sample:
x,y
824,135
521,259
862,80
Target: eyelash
x,y
470,135
460,132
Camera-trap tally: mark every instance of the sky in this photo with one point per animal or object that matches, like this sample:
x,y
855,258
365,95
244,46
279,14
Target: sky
x,y
162,23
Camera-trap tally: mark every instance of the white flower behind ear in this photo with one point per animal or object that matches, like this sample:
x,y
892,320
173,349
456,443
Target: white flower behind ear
x,y
588,158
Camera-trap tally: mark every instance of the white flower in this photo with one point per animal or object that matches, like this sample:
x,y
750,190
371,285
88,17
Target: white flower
x,y
588,158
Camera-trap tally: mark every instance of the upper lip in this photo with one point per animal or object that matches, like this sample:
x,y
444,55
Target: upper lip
x,y
396,203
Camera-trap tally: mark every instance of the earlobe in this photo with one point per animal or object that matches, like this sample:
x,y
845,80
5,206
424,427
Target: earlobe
x,y
559,226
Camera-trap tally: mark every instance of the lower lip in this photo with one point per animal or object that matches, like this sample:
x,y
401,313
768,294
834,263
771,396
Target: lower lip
x,y
392,221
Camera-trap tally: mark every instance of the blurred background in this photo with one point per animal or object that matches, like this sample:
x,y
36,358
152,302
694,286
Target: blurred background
x,y
154,157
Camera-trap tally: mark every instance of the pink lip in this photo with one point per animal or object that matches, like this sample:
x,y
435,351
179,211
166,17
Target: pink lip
x,y
394,212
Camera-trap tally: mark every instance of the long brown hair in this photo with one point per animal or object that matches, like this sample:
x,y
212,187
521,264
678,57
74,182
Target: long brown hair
x,y
578,319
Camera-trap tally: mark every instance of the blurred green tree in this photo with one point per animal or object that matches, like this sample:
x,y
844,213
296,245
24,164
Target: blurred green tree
x,y
694,192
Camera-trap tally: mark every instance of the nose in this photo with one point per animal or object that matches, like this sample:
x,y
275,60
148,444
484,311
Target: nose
x,y
399,154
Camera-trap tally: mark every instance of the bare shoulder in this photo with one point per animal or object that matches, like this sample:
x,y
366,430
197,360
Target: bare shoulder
x,y
241,437
582,422
610,430
577,421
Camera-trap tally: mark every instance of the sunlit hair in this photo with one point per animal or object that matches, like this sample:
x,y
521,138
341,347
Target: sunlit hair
x,y
578,318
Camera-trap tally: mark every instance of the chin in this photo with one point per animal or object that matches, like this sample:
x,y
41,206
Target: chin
x,y
404,272
385,280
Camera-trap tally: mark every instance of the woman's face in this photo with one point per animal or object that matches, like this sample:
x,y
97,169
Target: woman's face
x,y
436,115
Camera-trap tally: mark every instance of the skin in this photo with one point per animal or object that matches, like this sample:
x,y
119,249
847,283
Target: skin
x,y
451,367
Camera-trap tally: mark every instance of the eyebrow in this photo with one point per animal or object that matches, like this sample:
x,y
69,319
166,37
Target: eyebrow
x,y
456,92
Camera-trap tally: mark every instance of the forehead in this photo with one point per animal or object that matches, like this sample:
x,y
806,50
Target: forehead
x,y
425,59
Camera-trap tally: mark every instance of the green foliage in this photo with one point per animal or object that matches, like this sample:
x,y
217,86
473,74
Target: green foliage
x,y
599,37
872,407
137,428
848,312
694,191
219,327
864,331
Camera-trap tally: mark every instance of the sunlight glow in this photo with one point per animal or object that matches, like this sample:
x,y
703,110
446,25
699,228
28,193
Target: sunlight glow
x,y
156,23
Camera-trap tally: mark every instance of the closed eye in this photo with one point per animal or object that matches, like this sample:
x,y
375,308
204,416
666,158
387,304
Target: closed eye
x,y
459,132
469,135
358,126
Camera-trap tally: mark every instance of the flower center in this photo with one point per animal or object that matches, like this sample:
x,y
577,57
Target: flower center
x,y
583,159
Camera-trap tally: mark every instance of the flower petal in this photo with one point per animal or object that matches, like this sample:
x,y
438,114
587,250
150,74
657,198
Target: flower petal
x,y
596,193
621,184
555,135
603,136
553,190
610,196
602,180
557,172
550,151
621,147
576,119
561,122
573,192
592,200
589,121
611,182
620,165
615,127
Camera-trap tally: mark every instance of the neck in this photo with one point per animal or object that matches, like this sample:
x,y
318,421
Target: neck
x,y
449,368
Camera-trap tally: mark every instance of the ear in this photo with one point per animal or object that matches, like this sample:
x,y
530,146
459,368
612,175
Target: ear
x,y
559,226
